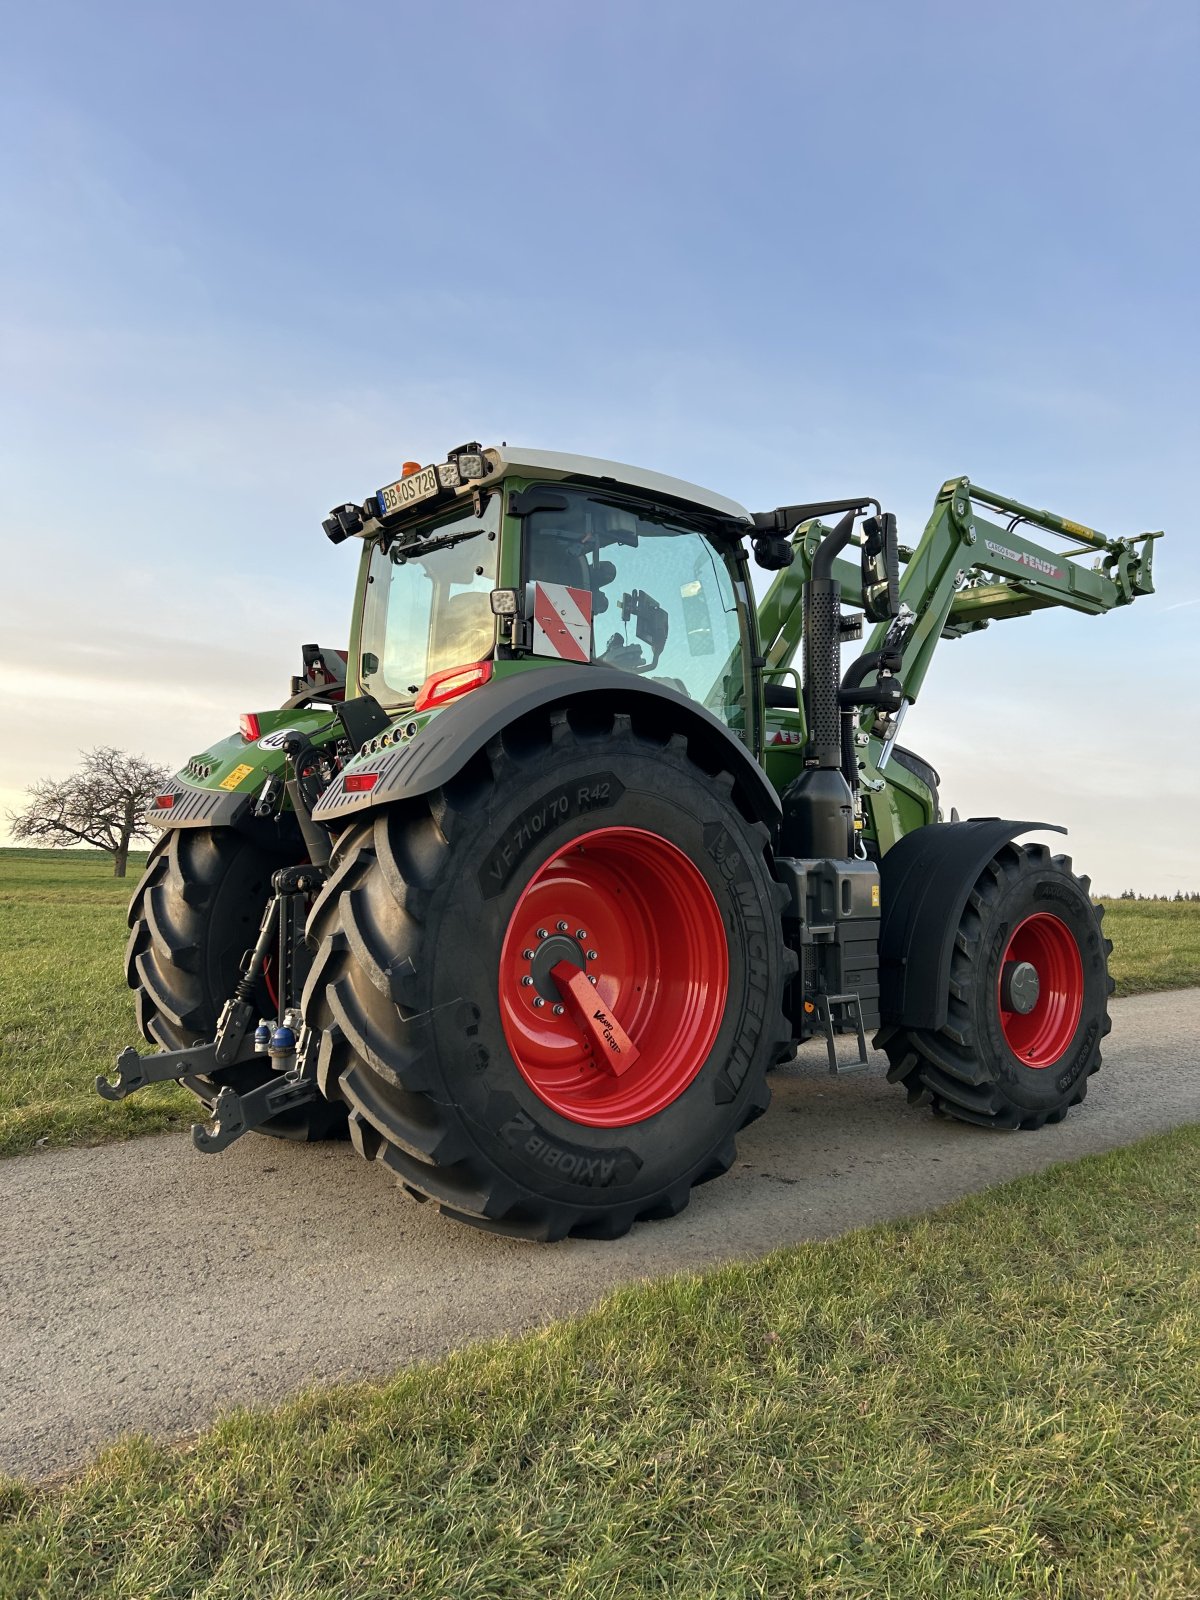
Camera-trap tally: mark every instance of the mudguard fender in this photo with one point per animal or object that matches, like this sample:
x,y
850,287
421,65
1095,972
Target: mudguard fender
x,y
448,741
925,879
191,807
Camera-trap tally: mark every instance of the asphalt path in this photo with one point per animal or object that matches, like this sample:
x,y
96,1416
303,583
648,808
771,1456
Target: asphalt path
x,y
146,1287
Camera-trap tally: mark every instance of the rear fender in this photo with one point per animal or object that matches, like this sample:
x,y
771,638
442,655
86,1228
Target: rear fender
x,y
925,879
216,789
437,752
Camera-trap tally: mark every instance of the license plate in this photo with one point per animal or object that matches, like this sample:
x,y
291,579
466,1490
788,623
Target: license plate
x,y
407,491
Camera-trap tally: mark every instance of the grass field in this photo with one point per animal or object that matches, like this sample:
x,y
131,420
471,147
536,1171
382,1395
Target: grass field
x,y
65,1011
1156,944
998,1400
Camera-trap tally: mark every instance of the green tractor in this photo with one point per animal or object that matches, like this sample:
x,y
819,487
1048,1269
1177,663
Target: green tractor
x,y
530,890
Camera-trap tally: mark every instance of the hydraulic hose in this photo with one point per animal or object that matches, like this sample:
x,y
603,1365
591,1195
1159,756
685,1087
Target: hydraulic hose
x,y
870,661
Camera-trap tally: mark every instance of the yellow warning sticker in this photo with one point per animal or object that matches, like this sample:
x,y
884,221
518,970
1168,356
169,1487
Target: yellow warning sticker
x,y
1077,529
875,894
235,777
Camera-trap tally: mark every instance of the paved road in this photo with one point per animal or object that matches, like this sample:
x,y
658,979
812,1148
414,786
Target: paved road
x,y
144,1286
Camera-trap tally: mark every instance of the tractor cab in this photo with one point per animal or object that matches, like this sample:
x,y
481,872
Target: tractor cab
x,y
542,557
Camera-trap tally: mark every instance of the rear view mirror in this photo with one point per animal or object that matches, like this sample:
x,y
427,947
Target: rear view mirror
x,y
880,568
537,497
697,619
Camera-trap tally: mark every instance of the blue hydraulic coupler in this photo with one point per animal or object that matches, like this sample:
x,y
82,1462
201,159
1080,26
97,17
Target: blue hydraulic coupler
x,y
283,1042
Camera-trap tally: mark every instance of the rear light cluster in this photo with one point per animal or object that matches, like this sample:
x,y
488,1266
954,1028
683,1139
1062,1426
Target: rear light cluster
x,y
448,685
164,802
437,689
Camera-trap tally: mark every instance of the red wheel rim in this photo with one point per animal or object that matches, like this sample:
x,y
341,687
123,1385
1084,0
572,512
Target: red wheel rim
x,y
1040,1037
645,925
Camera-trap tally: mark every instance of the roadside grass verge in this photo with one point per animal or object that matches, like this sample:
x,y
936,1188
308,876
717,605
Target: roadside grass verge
x,y
65,1011
998,1400
1156,944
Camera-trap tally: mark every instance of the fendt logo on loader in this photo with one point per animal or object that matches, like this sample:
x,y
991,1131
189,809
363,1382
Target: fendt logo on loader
x,y
1023,558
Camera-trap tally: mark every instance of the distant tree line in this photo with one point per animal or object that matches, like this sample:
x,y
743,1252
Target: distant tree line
x,y
1128,894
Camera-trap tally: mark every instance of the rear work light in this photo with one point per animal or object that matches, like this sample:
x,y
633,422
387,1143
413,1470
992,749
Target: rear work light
x,y
448,685
248,726
360,782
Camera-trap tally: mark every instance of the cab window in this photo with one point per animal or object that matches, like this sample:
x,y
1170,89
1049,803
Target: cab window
x,y
428,605
663,604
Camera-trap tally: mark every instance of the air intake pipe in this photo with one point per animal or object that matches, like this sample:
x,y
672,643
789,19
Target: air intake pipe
x,y
818,808
822,649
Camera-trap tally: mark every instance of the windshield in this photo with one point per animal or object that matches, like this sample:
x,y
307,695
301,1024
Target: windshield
x,y
428,605
663,603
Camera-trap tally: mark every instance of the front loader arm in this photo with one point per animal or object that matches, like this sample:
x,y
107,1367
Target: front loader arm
x,y
967,571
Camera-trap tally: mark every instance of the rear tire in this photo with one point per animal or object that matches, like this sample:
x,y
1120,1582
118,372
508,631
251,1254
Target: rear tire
x,y
425,936
194,914
1003,1068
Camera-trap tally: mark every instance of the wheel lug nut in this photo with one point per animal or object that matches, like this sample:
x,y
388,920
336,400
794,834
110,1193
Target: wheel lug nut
x,y
562,927
539,1003
542,934
591,955
527,982
580,935
558,1011
528,954
591,978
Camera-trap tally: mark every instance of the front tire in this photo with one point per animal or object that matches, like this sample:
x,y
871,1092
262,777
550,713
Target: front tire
x,y
579,842
1015,1051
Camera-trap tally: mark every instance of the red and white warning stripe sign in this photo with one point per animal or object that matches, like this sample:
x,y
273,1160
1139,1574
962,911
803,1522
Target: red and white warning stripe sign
x,y
562,621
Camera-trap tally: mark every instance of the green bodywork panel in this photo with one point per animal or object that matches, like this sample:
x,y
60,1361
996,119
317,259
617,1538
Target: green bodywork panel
x,y
966,572
238,766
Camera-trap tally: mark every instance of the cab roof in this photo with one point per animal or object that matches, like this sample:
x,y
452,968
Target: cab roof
x,y
556,466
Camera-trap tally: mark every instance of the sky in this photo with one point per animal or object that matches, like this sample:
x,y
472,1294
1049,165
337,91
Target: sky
x,y
258,255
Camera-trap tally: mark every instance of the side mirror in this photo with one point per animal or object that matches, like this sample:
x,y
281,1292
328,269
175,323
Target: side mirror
x,y
773,552
881,568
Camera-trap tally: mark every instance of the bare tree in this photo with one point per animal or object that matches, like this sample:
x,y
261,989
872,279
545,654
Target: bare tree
x,y
102,804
